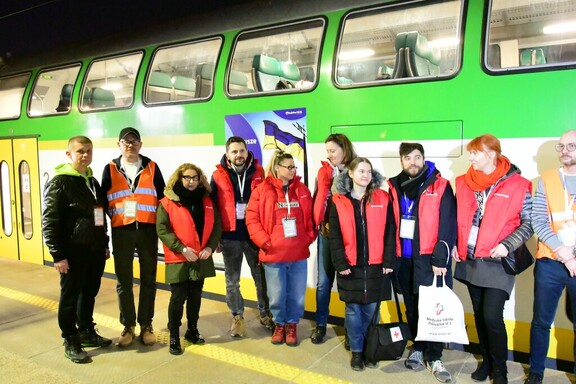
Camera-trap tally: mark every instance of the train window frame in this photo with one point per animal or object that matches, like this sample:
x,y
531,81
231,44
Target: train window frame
x,y
175,92
450,46
534,49
27,226
6,198
20,96
65,105
106,93
286,83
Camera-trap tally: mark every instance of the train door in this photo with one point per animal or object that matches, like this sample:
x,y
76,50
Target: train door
x,y
21,231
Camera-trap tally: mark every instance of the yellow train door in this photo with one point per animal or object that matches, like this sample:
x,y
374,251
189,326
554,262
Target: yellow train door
x,y
20,205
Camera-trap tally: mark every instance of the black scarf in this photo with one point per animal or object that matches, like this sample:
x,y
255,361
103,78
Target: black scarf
x,y
193,201
411,187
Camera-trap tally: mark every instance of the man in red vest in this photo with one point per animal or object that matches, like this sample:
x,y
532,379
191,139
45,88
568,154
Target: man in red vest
x,y
133,185
425,212
232,183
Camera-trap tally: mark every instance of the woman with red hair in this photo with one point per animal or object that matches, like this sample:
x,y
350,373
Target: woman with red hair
x,y
494,207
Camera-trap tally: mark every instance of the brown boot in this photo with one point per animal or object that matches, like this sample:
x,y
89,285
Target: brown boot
x,y
147,335
126,338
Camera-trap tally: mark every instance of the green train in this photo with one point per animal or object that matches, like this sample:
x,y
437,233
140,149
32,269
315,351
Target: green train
x,y
286,75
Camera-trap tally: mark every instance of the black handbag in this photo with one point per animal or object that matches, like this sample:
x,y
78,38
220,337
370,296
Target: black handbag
x,y
518,261
386,341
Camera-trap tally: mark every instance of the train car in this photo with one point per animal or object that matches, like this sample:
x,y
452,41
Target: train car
x,y
288,74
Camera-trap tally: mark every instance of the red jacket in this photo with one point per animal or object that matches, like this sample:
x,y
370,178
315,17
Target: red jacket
x,y
266,209
376,212
428,215
323,184
501,215
184,228
225,198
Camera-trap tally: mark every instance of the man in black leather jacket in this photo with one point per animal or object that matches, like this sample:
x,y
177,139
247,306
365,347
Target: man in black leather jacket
x,y
74,230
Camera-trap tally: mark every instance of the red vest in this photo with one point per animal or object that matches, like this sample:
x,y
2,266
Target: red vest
x,y
501,214
184,228
144,195
225,197
376,213
428,215
324,182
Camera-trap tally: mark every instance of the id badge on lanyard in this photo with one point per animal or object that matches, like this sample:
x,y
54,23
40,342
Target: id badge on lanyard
x,y
240,210
98,216
407,227
289,226
130,208
473,236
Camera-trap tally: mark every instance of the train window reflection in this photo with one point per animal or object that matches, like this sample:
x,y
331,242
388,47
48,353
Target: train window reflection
x,y
52,91
399,42
5,197
110,83
25,200
279,59
11,93
531,34
183,72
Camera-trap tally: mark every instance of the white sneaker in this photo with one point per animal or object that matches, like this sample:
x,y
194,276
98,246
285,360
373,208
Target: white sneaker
x,y
439,371
415,360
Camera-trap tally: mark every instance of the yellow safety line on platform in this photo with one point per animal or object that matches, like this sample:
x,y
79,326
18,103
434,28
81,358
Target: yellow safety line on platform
x,y
229,356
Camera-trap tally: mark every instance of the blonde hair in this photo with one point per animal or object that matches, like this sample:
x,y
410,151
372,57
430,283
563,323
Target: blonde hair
x,y
277,157
179,172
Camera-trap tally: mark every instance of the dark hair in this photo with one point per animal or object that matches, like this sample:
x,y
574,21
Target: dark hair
x,y
235,139
277,157
343,142
487,140
408,148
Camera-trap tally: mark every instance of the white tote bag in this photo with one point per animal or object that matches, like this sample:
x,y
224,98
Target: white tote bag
x,y
440,315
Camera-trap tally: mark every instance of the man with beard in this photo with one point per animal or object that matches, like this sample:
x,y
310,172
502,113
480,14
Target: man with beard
x,y
232,183
425,213
553,215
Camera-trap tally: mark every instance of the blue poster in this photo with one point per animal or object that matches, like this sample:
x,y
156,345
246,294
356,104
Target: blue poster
x,y
265,132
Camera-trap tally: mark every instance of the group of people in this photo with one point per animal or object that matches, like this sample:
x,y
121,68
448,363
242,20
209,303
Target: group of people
x,y
368,240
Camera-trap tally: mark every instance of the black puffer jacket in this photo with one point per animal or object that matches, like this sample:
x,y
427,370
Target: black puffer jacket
x,y
68,215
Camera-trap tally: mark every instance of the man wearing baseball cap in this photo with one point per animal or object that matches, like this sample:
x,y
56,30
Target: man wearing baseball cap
x,y
134,184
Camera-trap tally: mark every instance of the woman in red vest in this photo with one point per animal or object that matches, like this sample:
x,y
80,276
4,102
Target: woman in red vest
x,y
190,229
494,207
363,248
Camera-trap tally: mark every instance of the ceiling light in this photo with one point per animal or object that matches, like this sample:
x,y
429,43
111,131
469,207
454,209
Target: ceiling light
x,y
444,42
112,86
356,54
560,28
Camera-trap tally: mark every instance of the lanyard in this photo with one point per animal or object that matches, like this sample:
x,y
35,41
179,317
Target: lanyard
x,y
568,200
408,207
241,184
483,207
287,202
92,187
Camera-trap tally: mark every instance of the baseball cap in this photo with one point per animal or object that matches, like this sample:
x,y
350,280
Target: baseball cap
x,y
129,130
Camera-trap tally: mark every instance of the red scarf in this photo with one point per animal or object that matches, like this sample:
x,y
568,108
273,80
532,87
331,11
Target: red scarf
x,y
479,181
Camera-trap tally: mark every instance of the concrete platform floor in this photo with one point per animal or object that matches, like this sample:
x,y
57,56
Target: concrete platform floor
x,y
31,349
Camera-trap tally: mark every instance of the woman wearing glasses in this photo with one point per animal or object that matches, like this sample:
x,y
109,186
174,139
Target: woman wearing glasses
x,y
189,228
494,206
279,221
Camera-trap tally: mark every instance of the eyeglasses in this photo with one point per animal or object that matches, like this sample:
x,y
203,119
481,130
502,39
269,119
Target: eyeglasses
x,y
191,178
290,167
570,147
130,142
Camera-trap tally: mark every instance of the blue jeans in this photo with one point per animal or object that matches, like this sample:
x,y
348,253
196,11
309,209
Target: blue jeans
x,y
358,318
550,278
233,252
286,284
326,274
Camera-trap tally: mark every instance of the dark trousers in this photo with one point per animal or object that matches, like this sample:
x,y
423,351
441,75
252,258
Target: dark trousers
x,y
78,290
488,305
187,291
431,350
125,241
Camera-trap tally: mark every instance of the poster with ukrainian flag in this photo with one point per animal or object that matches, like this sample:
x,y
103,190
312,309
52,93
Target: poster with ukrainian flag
x,y
268,131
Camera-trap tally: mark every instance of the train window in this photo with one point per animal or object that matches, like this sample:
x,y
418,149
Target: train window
x,y
52,91
404,41
530,34
25,199
5,197
110,83
183,72
11,93
279,59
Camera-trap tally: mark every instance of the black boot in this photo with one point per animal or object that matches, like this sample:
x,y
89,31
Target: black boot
x,y
193,336
500,376
175,347
73,350
482,372
90,338
357,361
319,334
